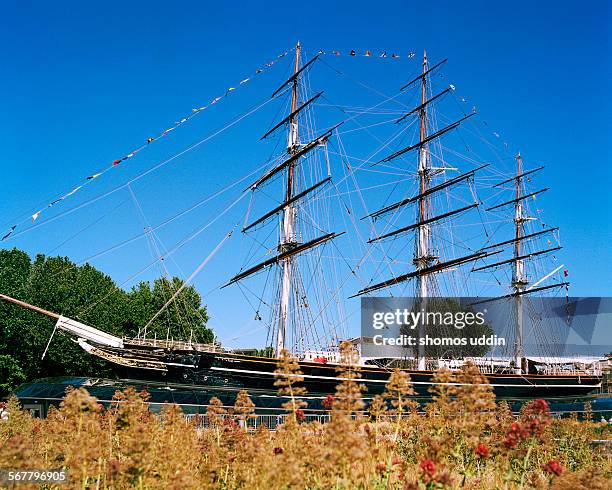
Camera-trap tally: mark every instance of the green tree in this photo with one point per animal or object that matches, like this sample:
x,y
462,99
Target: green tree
x,y
87,295
11,374
183,319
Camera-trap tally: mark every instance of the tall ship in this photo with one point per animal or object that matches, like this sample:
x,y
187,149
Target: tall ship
x,y
436,219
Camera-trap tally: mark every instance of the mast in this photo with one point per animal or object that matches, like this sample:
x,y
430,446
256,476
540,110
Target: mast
x,y
422,257
288,236
288,283
519,279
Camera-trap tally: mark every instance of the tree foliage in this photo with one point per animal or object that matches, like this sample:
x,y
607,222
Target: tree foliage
x,y
87,295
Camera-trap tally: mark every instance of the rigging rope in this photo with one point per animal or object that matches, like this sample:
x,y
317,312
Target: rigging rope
x,y
189,279
89,179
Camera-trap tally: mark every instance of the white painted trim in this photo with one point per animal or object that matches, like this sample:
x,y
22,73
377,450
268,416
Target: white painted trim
x,y
335,378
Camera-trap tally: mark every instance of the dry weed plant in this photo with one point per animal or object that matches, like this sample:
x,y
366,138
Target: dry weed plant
x,y
464,439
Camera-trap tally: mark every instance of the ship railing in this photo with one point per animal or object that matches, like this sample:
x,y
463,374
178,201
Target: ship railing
x,y
273,421
550,370
174,344
270,421
491,366
485,366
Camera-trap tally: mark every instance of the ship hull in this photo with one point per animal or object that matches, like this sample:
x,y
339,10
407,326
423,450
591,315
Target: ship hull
x,y
257,373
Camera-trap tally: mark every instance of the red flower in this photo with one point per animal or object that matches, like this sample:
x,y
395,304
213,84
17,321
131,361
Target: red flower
x,y
380,467
514,435
539,405
278,450
231,423
482,451
328,402
299,414
536,417
428,467
553,467
396,461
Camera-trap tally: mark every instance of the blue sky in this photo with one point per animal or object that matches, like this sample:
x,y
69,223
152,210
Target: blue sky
x,y
84,83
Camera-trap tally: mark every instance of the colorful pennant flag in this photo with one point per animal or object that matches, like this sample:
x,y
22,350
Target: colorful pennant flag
x,y
9,233
116,162
411,55
72,192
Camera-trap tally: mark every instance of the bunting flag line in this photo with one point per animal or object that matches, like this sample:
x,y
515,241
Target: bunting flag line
x,y
367,53
116,162
497,135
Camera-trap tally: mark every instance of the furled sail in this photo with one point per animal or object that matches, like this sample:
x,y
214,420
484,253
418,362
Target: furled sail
x,y
517,258
431,190
284,255
424,74
424,222
435,135
295,75
423,105
427,270
522,292
293,158
292,115
519,176
524,237
283,205
520,198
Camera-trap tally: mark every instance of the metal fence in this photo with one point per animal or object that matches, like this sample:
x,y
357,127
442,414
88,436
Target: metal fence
x,y
270,421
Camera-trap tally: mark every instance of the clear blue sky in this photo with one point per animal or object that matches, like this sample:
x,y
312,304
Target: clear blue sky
x,y
82,83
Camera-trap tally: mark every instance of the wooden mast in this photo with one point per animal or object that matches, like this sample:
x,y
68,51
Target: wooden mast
x,y
519,280
288,237
422,256
422,130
